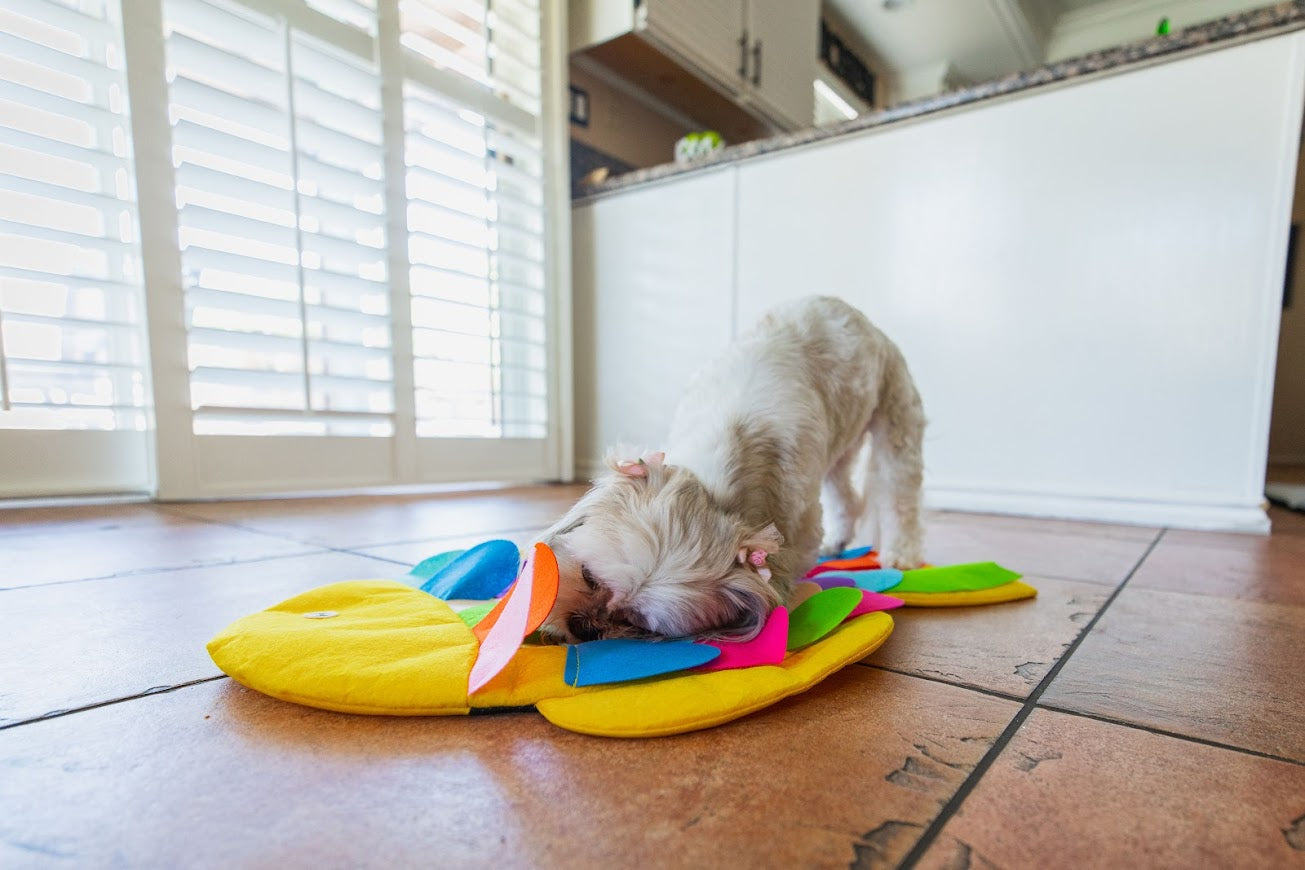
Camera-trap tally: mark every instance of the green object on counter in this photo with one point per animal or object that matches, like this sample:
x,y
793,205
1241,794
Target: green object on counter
x,y
1162,28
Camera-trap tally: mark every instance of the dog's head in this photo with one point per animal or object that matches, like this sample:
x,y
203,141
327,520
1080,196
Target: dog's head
x,y
649,553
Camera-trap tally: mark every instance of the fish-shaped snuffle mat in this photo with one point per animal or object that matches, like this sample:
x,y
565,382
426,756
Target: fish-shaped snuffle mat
x,y
457,635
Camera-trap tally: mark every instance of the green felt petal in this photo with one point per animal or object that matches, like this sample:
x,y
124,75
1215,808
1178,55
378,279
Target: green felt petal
x,y
820,614
475,613
954,578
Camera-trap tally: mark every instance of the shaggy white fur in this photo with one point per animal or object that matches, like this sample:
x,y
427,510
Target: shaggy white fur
x,y
710,537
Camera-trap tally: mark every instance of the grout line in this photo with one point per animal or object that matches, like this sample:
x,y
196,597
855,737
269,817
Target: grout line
x,y
160,690
968,686
356,548
164,569
999,745
1150,729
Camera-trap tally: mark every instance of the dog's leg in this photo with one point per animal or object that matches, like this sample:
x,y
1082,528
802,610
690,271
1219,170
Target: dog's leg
x,y
896,470
843,505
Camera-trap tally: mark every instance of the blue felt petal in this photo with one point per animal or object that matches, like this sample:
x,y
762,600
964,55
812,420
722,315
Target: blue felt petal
x,y
854,553
877,580
480,573
621,659
432,565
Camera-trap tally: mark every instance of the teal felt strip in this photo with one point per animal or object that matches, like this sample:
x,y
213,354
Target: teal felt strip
x,y
955,578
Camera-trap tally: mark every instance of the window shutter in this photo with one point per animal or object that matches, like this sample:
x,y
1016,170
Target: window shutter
x,y
71,335
278,152
475,217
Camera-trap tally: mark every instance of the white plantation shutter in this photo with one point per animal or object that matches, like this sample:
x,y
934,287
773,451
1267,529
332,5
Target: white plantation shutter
x,y
278,152
71,338
338,239
475,219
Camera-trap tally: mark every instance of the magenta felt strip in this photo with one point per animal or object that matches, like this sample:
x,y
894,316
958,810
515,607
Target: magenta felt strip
x,y
767,648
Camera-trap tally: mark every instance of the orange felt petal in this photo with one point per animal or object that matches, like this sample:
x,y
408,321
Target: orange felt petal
x,y
543,595
868,562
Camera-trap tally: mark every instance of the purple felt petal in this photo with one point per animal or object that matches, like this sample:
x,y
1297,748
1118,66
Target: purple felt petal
x,y
832,581
872,602
767,648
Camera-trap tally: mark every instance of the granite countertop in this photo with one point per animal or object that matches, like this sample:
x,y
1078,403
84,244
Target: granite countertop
x,y
1258,23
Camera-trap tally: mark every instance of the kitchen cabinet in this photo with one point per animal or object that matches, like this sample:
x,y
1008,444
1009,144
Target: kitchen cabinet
x,y
760,54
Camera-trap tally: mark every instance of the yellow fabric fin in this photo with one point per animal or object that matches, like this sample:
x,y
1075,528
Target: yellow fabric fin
x,y
388,649
1013,591
673,705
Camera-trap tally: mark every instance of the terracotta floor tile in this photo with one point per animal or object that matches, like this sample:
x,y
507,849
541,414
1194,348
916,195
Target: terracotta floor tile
x,y
412,552
215,775
362,521
1269,569
109,549
1003,522
73,644
1002,647
77,518
1073,792
1215,668
1286,522
1041,548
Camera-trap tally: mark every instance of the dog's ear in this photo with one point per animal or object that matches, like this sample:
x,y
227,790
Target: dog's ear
x,y
626,464
768,539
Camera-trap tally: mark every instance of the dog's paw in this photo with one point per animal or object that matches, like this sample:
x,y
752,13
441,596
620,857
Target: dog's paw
x,y
900,561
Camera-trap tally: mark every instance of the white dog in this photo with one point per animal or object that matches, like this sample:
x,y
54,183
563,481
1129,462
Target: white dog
x,y
708,537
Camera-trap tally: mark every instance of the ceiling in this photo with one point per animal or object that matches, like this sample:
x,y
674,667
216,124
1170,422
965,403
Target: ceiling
x,y
947,42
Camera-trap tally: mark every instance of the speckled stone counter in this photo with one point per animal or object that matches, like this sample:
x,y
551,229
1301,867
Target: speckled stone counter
x,y
1256,24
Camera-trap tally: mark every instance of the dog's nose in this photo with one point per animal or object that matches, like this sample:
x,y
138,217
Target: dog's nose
x,y
581,628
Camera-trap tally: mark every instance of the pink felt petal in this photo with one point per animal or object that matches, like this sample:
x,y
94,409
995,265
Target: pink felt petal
x,y
767,648
872,602
505,638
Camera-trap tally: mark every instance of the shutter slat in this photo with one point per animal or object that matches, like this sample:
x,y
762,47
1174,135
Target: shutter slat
x,y
66,18
199,137
55,60
101,202
111,247
103,160
89,112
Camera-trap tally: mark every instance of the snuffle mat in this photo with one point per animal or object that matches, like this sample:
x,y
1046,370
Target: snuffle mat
x,y
457,635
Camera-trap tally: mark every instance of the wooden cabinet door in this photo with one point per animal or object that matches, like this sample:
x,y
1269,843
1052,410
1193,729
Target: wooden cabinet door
x,y
706,32
783,41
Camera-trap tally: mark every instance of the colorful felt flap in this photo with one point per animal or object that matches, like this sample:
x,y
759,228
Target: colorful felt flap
x,y
502,631
820,614
620,660
767,648
484,571
674,705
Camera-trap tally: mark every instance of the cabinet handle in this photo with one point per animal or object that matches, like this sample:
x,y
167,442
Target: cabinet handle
x,y
743,55
756,63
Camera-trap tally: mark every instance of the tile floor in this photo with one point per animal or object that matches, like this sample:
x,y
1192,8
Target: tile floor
x,y
1148,707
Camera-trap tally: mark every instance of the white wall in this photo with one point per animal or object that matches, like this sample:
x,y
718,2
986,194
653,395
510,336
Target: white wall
x,y
1085,281
653,297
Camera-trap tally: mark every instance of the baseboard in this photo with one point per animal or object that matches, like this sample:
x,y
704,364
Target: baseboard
x,y
1178,515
